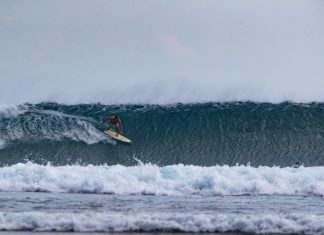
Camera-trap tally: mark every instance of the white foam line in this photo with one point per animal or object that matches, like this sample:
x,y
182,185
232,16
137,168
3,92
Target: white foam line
x,y
163,222
169,180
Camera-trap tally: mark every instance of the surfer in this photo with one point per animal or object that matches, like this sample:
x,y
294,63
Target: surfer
x,y
115,129
115,122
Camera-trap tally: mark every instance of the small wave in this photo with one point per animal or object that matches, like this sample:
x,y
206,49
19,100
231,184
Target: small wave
x,y
168,180
162,222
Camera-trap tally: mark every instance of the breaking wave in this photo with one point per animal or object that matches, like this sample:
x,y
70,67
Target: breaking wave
x,y
168,180
198,134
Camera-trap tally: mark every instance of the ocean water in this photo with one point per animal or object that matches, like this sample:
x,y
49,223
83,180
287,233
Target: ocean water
x,y
238,167
152,213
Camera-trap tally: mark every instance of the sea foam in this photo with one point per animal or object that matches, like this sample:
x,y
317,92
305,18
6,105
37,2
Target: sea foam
x,y
45,124
167,180
162,222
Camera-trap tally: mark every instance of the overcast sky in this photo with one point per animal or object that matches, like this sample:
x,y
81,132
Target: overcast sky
x,y
166,51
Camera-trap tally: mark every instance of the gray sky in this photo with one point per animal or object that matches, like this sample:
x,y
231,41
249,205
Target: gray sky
x,y
161,51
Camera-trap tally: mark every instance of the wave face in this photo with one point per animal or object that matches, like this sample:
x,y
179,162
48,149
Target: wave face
x,y
197,134
169,180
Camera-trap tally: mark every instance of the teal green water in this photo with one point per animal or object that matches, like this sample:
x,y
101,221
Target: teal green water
x,y
198,134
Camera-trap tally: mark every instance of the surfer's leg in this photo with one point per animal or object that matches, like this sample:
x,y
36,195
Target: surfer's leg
x,y
117,127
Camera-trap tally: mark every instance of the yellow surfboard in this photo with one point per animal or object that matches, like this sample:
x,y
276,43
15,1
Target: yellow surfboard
x,y
117,136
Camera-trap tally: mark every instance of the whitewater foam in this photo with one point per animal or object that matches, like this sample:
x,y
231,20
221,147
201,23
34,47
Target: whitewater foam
x,y
7,111
46,124
162,222
8,118
168,180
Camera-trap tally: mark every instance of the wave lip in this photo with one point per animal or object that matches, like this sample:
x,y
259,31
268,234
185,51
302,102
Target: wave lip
x,y
162,222
168,180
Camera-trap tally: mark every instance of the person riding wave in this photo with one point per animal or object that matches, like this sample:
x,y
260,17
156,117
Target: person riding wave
x,y
116,123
